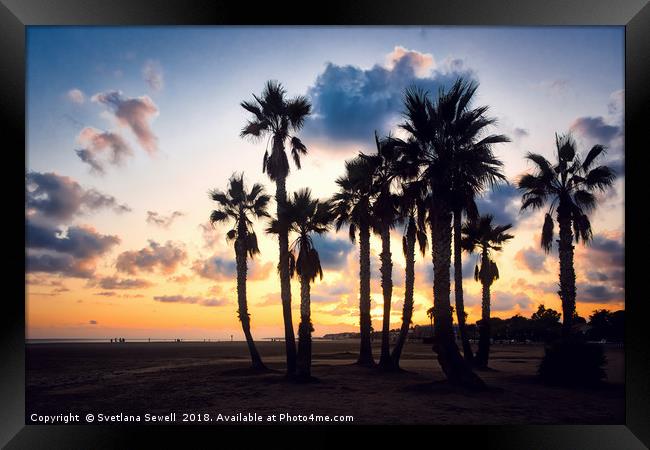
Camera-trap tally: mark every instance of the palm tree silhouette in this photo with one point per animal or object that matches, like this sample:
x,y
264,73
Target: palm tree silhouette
x,y
352,206
238,204
412,208
568,187
439,130
480,233
430,316
276,117
305,217
474,169
385,212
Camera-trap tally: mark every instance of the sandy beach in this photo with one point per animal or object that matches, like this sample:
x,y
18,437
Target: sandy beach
x,y
211,378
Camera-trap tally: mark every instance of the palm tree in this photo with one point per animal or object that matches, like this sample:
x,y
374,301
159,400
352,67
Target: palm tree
x,y
444,137
352,206
481,234
474,169
238,204
430,316
385,212
276,117
412,208
569,188
306,216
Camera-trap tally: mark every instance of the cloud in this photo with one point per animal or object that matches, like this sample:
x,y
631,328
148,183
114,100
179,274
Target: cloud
x,y
604,255
595,129
78,241
350,102
191,300
153,75
331,293
506,301
154,218
615,106
215,268
503,202
210,235
600,268
73,252
531,259
155,256
126,283
76,96
520,133
92,322
469,263
59,264
259,271
333,252
558,87
598,293
57,197
96,143
606,131
135,113
422,63
223,269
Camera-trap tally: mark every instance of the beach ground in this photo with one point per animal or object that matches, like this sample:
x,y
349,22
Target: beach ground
x,y
212,378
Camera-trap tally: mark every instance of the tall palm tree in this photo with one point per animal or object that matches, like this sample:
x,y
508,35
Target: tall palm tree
x,y
352,206
306,216
568,187
474,169
238,204
412,208
482,235
385,212
278,118
442,130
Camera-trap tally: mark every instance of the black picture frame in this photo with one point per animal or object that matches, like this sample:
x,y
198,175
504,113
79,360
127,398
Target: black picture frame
x,y
634,15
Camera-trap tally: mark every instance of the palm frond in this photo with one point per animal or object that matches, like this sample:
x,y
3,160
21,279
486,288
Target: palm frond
x,y
547,233
600,178
595,152
217,216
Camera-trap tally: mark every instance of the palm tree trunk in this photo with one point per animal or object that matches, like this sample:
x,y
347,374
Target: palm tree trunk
x,y
385,361
285,283
409,282
453,365
244,318
458,288
567,272
365,351
304,330
484,327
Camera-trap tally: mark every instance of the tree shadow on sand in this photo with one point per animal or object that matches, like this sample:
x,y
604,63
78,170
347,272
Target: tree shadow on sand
x,y
443,387
246,371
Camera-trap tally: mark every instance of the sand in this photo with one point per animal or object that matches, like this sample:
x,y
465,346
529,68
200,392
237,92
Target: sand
x,y
211,378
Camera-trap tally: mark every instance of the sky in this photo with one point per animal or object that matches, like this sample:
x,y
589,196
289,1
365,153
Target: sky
x,y
128,128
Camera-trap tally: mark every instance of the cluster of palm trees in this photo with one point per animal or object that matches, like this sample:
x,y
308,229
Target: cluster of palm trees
x,y
425,182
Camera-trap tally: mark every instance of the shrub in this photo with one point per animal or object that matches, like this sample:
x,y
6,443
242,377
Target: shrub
x,y
574,363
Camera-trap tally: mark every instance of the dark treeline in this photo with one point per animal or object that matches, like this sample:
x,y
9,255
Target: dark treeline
x,y
545,326
425,184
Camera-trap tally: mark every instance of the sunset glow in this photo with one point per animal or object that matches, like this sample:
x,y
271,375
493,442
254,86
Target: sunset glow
x,y
129,128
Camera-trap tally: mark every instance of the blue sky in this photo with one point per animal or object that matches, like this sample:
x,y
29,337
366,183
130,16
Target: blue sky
x,y
168,97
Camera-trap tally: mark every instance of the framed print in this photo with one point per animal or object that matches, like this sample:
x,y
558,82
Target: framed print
x,y
411,216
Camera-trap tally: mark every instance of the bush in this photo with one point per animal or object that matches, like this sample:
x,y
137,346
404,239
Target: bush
x,y
573,363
